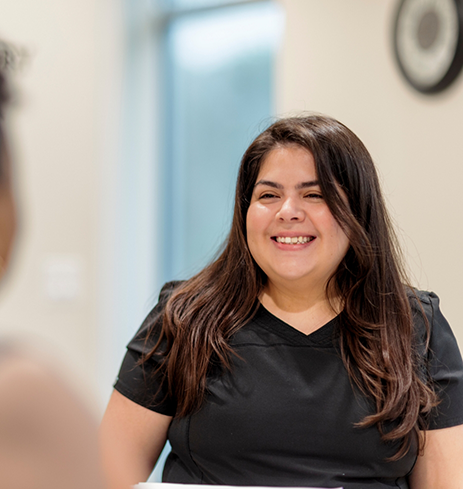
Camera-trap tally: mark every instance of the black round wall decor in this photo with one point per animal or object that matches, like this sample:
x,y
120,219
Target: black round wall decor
x,y
428,42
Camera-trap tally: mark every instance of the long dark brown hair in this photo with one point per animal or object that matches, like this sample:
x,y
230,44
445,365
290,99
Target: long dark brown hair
x,y
377,331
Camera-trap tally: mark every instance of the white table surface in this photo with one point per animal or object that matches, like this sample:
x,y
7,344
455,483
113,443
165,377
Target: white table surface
x,y
165,485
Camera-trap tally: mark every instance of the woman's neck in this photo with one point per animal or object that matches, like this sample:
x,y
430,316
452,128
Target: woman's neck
x,y
304,311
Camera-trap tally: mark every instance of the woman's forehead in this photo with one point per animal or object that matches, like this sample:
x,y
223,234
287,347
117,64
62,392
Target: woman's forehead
x,y
288,161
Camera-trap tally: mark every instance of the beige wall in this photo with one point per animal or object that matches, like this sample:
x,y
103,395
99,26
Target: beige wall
x,y
337,59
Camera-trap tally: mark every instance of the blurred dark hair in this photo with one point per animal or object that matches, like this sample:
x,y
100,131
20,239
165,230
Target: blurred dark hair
x,y
377,331
9,57
4,97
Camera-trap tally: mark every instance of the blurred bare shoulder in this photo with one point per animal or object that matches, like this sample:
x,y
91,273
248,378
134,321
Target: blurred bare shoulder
x,y
48,439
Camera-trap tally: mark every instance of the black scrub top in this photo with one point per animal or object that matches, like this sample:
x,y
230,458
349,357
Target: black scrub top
x,y
285,415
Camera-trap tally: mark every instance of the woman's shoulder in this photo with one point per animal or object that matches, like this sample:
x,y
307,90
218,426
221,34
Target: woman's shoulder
x,y
422,298
431,327
425,306
168,288
443,361
164,295
148,333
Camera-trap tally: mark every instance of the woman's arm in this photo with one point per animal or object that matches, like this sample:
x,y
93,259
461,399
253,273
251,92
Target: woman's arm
x,y
131,437
441,465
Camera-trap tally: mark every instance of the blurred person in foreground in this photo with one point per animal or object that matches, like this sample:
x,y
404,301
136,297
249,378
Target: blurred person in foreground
x,y
48,439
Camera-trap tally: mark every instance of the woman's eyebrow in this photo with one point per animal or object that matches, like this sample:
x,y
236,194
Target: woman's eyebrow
x,y
312,183
269,183
299,186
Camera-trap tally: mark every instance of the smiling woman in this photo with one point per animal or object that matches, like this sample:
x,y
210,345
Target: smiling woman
x,y
301,356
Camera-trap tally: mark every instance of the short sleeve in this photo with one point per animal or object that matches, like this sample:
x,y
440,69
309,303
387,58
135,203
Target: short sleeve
x,y
445,366
142,383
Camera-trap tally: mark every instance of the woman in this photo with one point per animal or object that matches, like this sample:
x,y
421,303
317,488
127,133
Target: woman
x,y
48,440
298,357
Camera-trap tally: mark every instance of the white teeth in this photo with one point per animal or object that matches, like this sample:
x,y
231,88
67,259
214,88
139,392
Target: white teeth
x,y
293,240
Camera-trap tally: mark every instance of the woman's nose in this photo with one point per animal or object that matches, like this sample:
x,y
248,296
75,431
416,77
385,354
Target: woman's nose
x,y
291,210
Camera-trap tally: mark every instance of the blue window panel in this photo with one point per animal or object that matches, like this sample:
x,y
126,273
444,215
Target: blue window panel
x,y
220,78
198,3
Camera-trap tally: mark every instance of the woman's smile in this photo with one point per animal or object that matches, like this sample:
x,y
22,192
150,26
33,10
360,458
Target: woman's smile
x,y
293,240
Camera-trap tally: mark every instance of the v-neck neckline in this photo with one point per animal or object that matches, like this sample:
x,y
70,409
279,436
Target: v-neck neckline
x,y
323,336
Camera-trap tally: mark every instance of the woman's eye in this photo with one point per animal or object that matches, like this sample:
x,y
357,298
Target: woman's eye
x,y
314,196
268,196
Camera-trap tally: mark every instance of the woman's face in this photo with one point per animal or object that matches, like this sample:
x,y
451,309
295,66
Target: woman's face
x,y
291,233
